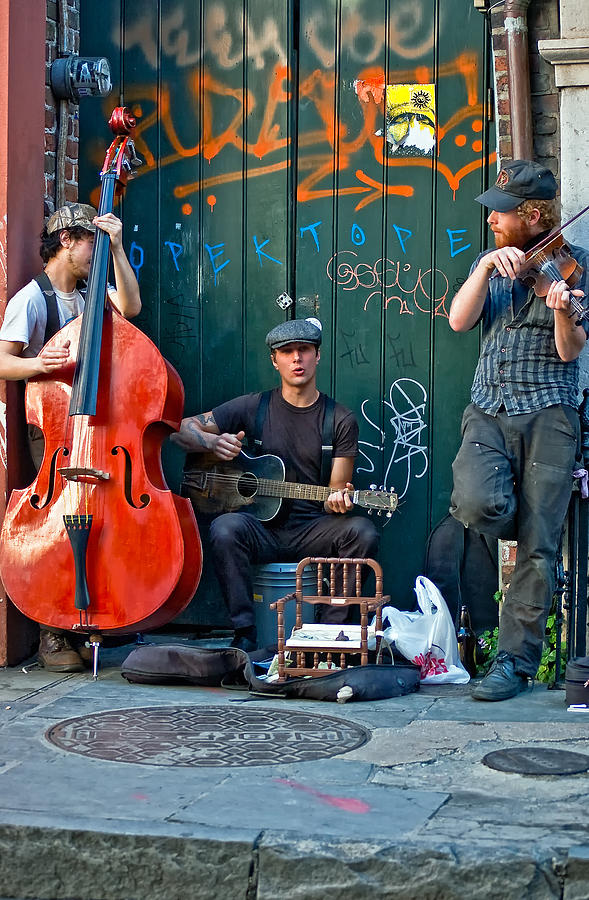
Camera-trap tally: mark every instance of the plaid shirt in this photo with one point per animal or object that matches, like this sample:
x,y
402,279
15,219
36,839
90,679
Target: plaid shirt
x,y
519,367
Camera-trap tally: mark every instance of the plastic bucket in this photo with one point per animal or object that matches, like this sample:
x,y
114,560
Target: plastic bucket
x,y
271,582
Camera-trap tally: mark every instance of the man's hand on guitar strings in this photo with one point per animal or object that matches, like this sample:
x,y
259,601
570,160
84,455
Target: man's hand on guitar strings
x,y
227,446
339,501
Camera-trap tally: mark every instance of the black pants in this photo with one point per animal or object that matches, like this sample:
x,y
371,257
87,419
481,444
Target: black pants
x,y
513,480
239,540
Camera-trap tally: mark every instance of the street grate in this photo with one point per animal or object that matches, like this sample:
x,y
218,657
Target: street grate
x,y
206,736
537,761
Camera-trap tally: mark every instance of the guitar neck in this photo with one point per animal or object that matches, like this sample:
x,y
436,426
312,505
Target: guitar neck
x,y
291,490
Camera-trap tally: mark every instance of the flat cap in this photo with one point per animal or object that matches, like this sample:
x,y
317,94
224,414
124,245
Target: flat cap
x,y
519,180
302,331
73,215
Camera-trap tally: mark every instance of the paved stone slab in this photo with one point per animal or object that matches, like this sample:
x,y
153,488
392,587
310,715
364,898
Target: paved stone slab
x,y
413,814
312,806
304,869
419,741
50,863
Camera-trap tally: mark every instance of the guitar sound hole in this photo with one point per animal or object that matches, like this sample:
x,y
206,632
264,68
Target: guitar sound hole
x,y
247,485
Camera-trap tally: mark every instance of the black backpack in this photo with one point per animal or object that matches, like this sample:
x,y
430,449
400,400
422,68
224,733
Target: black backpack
x,y
464,566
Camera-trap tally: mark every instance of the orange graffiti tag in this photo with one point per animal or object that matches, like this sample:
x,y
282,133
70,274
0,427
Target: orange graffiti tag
x,y
325,152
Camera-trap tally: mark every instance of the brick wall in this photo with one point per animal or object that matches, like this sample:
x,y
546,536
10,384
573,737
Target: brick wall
x,y
57,45
543,23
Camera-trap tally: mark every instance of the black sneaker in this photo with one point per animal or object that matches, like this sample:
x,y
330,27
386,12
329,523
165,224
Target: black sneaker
x,y
501,681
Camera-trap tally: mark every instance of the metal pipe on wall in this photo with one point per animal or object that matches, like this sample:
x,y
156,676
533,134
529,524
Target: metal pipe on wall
x,y
518,73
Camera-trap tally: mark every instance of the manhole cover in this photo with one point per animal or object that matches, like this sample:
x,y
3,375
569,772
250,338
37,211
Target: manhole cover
x,y
206,736
537,761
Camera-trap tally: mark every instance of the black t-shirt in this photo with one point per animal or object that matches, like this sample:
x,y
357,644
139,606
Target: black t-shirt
x,y
294,433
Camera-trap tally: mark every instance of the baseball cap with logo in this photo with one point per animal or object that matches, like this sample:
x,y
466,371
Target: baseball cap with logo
x,y
517,181
73,215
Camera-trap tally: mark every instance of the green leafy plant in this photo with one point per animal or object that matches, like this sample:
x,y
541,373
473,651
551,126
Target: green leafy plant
x,y
487,643
547,668
487,648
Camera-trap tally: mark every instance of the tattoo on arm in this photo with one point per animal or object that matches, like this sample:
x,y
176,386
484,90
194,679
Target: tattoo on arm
x,y
205,419
196,433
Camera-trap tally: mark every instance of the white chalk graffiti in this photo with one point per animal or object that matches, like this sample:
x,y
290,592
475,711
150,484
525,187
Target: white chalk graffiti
x,y
404,426
227,31
225,35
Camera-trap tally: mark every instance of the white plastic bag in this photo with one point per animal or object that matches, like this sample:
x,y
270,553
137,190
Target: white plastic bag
x,y
426,638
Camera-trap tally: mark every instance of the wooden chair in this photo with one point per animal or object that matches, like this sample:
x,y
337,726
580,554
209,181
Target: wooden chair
x,y
345,591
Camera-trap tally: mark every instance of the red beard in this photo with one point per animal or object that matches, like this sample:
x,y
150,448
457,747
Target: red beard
x,y
514,236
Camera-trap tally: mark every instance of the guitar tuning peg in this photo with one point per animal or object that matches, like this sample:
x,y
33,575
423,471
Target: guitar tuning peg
x,y
389,514
372,487
369,512
379,513
382,487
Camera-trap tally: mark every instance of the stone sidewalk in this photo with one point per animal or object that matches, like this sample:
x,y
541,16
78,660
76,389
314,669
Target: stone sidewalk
x,y
411,812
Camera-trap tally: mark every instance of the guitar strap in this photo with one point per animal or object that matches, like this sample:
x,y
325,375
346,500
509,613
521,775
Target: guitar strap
x,y
261,413
52,326
326,436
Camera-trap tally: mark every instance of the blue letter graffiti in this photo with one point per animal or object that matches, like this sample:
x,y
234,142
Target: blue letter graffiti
x,y
358,236
176,250
136,258
402,233
455,240
214,256
261,253
313,229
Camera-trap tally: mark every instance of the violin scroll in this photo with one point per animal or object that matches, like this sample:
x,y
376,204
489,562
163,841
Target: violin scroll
x,y
121,158
122,121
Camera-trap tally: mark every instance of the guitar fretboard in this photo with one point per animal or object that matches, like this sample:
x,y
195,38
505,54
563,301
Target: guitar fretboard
x,y
267,487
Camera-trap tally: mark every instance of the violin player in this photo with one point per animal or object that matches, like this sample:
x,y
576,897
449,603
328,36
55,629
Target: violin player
x,y
293,428
66,249
520,434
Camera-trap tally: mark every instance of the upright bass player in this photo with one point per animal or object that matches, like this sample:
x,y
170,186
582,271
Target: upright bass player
x,y
66,248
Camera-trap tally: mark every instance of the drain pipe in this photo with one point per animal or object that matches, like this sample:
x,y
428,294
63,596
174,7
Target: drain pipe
x,y
62,121
518,74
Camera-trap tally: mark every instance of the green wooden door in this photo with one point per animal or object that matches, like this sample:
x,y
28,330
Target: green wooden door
x,y
329,151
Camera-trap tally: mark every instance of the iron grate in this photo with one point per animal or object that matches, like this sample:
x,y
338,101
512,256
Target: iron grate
x,y
206,736
537,761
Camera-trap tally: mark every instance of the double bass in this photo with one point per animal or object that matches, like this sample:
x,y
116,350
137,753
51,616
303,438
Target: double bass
x,y
98,544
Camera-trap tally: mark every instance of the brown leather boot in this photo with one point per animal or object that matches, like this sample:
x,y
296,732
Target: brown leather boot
x,y
56,654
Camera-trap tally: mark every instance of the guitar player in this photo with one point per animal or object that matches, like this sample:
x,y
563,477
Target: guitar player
x,y
295,422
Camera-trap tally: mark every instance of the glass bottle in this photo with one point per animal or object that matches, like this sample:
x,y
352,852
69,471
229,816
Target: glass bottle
x,y
467,642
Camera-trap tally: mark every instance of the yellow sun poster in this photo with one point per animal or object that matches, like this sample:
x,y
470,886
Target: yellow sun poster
x,y
411,119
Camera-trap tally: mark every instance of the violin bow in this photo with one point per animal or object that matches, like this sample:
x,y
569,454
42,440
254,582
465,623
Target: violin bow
x,y
555,232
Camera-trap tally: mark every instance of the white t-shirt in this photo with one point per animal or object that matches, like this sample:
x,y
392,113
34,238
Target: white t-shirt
x,y
26,316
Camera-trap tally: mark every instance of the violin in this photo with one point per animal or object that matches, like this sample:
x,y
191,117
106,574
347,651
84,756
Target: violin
x,y
98,543
551,260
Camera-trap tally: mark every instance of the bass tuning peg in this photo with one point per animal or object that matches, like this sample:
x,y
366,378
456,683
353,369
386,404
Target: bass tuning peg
x,y
372,487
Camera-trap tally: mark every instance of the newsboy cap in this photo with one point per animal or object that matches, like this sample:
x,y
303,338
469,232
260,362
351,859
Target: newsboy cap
x,y
517,181
294,331
71,216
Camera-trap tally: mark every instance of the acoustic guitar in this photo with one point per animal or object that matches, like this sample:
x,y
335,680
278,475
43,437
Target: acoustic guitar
x,y
257,482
